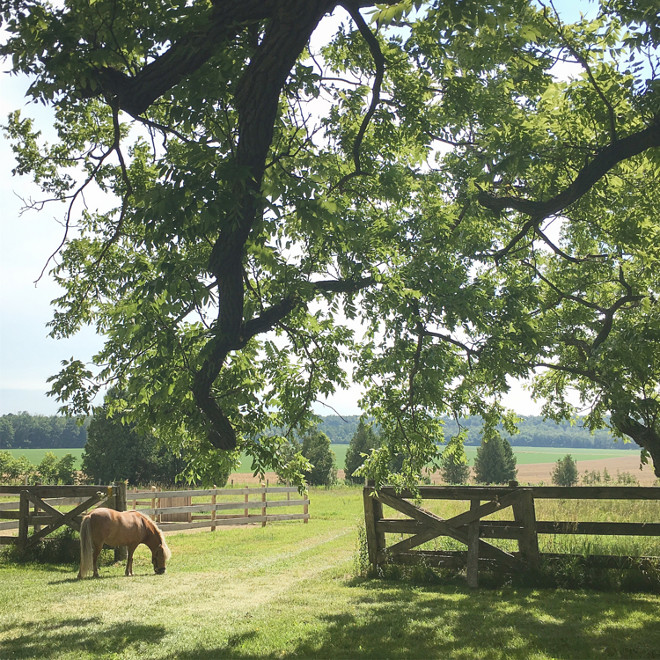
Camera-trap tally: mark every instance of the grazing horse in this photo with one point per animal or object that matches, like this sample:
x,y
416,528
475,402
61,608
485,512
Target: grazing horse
x,y
117,528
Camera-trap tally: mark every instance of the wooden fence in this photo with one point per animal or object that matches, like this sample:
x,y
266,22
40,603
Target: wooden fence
x,y
37,508
469,528
193,509
46,508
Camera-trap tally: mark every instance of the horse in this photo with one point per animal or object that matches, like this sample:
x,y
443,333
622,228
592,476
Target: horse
x,y
118,528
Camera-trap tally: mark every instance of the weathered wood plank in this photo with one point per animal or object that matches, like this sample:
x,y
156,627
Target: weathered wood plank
x,y
524,513
54,491
599,528
545,492
148,494
66,519
486,509
374,548
442,529
473,544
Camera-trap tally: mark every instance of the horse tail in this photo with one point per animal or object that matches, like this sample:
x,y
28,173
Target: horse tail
x,y
86,547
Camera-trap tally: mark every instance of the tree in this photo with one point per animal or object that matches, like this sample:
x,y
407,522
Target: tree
x,y
454,466
363,441
565,472
494,462
316,449
243,225
117,451
47,469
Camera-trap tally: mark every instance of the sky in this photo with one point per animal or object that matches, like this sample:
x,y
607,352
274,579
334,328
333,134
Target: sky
x,y
28,356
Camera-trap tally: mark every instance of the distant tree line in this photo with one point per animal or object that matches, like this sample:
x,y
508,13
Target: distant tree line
x,y
25,431
534,432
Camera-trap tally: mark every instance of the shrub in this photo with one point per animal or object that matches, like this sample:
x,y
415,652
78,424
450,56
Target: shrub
x,y
565,472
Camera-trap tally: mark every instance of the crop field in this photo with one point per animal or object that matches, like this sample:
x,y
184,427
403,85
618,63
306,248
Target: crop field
x,y
35,456
291,590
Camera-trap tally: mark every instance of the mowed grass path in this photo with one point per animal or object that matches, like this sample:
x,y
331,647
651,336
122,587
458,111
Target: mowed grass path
x,y
288,590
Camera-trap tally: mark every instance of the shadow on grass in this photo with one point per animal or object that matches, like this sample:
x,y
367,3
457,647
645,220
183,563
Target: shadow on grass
x,y
392,621
80,636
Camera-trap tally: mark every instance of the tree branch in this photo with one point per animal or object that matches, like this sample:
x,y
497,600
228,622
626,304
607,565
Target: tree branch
x,y
605,159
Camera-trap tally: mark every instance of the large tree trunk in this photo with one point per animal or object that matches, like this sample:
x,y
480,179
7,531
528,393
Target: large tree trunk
x,y
646,437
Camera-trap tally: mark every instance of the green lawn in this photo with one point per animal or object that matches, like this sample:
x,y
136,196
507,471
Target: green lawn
x,y
288,590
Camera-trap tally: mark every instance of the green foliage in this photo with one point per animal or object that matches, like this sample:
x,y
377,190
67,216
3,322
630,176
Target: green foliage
x,y
565,472
38,431
50,470
430,176
454,467
363,441
494,462
118,451
315,447
13,468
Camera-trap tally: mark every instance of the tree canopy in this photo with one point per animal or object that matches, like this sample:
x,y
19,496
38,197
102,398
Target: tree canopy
x,y
475,184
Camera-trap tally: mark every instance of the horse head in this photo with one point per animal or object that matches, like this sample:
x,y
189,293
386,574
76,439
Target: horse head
x,y
158,558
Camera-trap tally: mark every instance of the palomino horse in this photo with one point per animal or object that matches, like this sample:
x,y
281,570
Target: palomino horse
x,y
117,528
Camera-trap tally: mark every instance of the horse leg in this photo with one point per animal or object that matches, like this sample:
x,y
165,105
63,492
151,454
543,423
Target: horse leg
x,y
97,552
129,562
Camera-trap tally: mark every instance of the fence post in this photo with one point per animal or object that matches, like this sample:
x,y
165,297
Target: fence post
x,y
119,492
37,528
473,549
373,511
214,499
263,504
246,511
306,508
24,512
525,513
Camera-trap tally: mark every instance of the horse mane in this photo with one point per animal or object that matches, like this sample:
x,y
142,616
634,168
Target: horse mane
x,y
159,532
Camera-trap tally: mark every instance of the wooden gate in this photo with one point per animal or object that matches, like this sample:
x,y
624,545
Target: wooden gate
x,y
35,511
470,528
424,526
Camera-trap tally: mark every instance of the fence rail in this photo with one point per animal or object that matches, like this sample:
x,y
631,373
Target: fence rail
x,y
37,509
470,528
45,508
175,510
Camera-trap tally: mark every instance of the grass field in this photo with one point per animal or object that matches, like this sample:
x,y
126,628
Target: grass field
x,y
524,455
289,590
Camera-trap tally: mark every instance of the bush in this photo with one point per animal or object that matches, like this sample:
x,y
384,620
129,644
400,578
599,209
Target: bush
x,y
565,472
14,469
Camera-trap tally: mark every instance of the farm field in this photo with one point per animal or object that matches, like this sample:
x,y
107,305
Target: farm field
x,y
524,455
289,590
35,456
535,464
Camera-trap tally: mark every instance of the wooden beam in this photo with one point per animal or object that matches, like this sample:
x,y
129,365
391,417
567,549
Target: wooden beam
x,y
441,528
66,518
